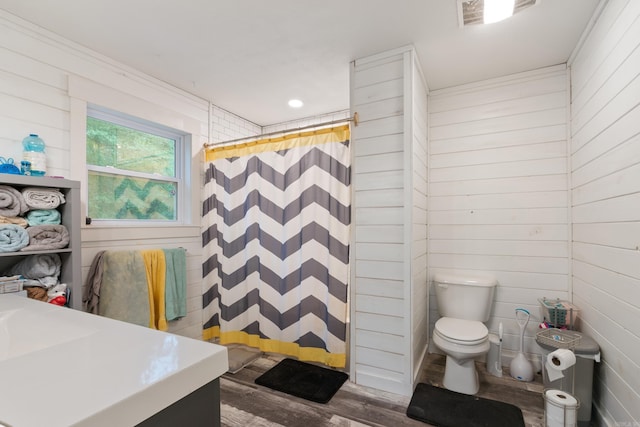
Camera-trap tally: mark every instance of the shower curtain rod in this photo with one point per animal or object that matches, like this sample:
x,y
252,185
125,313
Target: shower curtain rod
x,y
355,119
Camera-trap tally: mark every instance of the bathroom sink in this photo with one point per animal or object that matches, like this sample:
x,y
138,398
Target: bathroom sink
x,y
24,331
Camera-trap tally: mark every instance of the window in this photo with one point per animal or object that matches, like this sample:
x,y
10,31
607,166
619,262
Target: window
x,y
134,168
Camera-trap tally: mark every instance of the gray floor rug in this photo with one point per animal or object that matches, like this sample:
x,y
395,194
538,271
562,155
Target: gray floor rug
x,y
241,356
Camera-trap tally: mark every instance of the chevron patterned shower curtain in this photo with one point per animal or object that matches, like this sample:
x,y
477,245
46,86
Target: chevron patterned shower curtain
x,y
276,218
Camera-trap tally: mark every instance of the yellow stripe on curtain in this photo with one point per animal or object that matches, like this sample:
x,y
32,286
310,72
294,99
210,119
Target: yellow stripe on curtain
x,y
320,136
309,354
211,333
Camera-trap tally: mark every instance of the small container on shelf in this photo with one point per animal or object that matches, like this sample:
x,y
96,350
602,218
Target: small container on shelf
x,y
25,167
8,166
34,152
559,313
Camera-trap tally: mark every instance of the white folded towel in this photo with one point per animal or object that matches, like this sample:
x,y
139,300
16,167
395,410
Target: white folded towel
x,y
42,198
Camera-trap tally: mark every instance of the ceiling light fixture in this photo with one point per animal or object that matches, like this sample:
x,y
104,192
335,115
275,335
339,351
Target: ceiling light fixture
x,y
295,103
497,10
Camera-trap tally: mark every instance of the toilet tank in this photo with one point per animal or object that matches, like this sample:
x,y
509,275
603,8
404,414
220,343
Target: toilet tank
x,y
464,297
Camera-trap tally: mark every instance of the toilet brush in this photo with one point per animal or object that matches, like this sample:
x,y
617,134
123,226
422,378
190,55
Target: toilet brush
x,y
521,368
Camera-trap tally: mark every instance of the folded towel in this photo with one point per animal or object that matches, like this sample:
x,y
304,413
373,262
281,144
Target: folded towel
x,y
43,216
12,202
43,270
175,283
12,238
47,237
43,282
42,198
124,293
17,220
155,266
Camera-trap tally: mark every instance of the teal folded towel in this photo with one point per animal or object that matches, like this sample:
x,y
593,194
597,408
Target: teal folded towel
x,y
175,291
43,216
12,238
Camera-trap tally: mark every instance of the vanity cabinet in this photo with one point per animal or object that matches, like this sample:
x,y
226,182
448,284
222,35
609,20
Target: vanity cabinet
x,y
70,272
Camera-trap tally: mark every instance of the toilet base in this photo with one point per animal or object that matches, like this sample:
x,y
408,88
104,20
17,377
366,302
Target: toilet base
x,y
461,376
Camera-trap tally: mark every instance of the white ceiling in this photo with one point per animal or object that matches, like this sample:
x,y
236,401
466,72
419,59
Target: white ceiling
x,y
251,56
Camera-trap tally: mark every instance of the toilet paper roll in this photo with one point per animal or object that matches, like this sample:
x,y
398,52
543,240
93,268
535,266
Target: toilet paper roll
x,y
558,361
560,408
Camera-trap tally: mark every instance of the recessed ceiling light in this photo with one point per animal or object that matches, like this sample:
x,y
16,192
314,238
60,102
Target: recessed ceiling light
x,y
295,103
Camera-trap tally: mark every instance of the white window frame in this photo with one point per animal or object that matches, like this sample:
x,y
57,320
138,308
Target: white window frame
x,y
181,153
155,109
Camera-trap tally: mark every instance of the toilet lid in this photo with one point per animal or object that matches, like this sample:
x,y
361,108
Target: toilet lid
x,y
461,330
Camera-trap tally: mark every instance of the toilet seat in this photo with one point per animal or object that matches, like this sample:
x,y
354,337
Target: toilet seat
x,y
461,331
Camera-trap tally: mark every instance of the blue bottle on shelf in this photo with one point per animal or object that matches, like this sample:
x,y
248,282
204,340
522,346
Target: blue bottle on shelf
x,y
33,152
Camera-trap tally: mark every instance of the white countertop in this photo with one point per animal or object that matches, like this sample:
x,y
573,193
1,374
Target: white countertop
x,y
62,367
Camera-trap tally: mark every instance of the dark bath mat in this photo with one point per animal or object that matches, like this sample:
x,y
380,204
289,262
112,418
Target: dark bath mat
x,y
303,380
445,408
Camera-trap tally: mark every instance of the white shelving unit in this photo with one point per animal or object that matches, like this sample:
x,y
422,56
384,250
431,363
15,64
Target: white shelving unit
x,y
70,212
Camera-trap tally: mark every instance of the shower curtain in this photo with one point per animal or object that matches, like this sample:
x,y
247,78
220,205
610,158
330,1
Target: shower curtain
x,y
276,221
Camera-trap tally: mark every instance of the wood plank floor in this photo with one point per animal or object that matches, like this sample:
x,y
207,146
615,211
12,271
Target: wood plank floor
x,y
243,403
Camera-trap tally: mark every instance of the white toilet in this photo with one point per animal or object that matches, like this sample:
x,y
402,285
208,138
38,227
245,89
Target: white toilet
x,y
464,302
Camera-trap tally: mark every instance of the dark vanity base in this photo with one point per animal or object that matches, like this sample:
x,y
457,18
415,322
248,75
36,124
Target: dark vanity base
x,y
201,408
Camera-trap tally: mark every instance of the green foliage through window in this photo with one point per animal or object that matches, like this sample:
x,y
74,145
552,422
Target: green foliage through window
x,y
133,170
113,145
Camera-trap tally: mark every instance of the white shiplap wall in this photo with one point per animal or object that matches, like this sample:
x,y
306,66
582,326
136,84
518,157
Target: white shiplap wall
x,y
605,163
498,192
35,70
389,149
419,291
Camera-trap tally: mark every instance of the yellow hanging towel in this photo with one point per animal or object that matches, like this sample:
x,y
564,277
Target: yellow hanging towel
x,y
155,265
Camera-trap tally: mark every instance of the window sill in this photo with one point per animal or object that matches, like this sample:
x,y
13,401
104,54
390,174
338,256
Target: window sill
x,y
94,233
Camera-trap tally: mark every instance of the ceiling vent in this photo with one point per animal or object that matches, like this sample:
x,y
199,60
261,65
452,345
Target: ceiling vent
x,y
471,12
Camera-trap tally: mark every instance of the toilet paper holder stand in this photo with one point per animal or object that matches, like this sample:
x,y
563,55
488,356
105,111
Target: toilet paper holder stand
x,y
569,413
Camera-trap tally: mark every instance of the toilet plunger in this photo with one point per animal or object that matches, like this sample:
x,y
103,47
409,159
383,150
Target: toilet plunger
x,y
521,369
